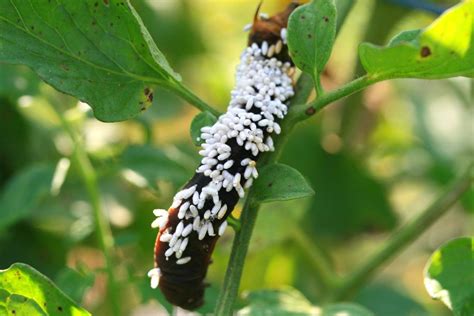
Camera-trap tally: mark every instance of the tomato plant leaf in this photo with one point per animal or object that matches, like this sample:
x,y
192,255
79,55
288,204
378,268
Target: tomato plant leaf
x,y
31,293
443,49
97,51
279,182
290,302
285,302
201,120
449,275
23,192
311,34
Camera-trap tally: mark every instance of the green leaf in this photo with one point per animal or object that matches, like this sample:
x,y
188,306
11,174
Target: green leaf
x,y
97,51
23,192
449,275
145,165
444,49
347,309
345,189
279,182
201,120
290,302
19,305
383,299
20,282
284,302
74,283
311,34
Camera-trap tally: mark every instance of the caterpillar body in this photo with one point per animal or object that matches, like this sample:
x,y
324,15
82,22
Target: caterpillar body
x,y
188,231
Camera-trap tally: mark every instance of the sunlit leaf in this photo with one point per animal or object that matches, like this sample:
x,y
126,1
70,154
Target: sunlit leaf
x,y
449,275
23,192
444,49
279,182
311,33
97,51
201,120
31,293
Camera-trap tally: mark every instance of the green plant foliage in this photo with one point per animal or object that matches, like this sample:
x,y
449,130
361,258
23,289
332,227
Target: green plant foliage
x,y
151,164
278,182
442,50
74,283
384,299
348,309
290,302
19,305
31,293
201,120
97,51
23,192
449,275
345,189
283,302
311,34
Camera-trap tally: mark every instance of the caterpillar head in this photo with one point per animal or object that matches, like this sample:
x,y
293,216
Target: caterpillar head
x,y
272,30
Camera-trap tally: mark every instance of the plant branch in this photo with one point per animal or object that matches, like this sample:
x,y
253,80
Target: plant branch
x,y
303,111
193,99
104,233
403,237
240,246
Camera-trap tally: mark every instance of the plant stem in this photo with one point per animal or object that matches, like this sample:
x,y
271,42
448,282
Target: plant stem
x,y
403,237
303,111
193,99
240,246
104,233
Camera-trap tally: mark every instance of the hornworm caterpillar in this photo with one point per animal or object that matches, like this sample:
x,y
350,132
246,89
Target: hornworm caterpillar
x,y
188,231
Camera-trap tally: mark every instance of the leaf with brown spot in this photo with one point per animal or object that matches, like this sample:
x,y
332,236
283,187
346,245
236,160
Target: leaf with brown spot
x,y
28,295
311,33
443,49
117,58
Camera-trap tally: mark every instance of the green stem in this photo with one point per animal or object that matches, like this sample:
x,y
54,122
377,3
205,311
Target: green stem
x,y
104,233
403,237
240,246
193,99
303,111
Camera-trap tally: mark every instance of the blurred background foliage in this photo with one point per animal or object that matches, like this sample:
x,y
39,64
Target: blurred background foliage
x,y
374,159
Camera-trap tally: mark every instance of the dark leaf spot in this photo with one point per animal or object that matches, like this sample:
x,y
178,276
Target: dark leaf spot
x,y
326,19
106,2
302,17
60,308
310,36
96,4
270,184
425,51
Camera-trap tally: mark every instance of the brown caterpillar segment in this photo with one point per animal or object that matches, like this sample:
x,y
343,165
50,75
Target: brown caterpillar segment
x,y
188,231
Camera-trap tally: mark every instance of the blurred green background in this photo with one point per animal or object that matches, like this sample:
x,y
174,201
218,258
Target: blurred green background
x,y
375,160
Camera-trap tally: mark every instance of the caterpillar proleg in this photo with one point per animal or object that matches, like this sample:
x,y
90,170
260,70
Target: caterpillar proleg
x,y
189,229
